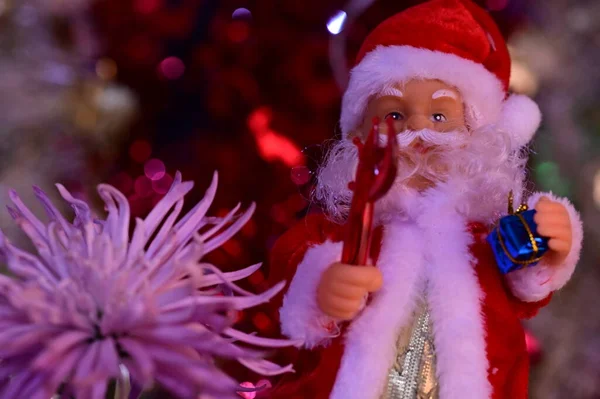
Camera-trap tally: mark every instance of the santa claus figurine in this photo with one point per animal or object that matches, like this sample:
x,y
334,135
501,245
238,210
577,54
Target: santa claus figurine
x,y
441,319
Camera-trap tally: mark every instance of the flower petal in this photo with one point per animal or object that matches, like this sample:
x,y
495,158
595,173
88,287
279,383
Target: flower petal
x,y
230,231
26,213
28,336
163,206
218,226
87,372
264,342
199,210
174,292
82,210
166,228
136,247
224,280
61,370
19,383
52,212
57,347
108,361
142,359
209,280
119,229
265,367
176,386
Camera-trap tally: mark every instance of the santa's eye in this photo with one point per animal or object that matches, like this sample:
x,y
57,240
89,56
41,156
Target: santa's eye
x,y
397,116
438,118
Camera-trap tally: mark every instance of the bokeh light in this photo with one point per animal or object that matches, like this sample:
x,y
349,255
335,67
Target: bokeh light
x,y
140,151
241,13
162,185
4,6
143,186
238,31
597,188
154,169
336,23
146,6
262,321
256,278
523,80
301,175
580,19
106,69
171,68
273,146
259,120
496,5
249,230
232,247
534,348
548,174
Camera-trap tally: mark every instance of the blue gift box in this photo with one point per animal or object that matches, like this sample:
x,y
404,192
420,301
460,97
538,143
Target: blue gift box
x,y
516,242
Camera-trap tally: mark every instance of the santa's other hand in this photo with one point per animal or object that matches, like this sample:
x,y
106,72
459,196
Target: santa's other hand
x,y
343,288
553,222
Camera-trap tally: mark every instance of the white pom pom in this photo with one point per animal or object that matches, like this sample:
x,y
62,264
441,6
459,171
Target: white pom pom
x,y
520,118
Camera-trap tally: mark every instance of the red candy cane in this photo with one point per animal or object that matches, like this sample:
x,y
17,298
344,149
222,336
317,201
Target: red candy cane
x,y
375,175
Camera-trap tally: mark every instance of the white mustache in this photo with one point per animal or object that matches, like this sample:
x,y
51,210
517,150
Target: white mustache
x,y
432,137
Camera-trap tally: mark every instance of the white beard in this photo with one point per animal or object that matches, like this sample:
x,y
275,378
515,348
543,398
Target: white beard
x,y
474,174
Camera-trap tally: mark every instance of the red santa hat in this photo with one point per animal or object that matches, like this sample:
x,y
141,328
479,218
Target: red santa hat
x,y
454,41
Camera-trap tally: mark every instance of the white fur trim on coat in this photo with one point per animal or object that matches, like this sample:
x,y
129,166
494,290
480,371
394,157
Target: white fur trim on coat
x,y
537,282
455,299
300,315
482,91
371,338
428,256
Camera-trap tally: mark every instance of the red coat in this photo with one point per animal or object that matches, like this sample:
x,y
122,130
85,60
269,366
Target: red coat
x,y
502,354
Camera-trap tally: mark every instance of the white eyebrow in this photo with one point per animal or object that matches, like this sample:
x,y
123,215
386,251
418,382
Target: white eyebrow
x,y
391,91
444,93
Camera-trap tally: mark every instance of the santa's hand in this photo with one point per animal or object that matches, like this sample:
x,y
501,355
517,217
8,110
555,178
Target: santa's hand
x,y
343,288
553,222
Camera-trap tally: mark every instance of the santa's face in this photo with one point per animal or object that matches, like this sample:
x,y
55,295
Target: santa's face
x,y
418,105
436,146
428,116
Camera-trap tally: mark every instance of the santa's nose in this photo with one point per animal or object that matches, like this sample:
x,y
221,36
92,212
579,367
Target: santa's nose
x,y
418,122
419,145
416,143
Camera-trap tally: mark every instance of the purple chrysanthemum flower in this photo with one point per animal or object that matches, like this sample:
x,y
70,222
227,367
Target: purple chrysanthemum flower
x,y
93,300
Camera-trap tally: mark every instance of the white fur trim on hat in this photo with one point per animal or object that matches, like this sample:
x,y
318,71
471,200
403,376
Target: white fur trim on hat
x,y
482,91
520,118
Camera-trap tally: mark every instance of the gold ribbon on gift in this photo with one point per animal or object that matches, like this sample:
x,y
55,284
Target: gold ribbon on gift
x,y
511,211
